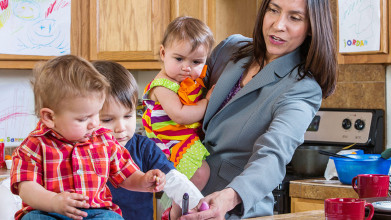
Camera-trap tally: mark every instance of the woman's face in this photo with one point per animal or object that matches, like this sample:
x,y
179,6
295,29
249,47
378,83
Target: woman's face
x,y
285,27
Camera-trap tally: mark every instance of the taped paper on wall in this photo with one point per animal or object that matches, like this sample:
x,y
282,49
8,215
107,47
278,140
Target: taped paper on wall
x,y
17,118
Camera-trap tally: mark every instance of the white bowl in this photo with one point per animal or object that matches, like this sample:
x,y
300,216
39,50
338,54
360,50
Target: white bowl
x,y
8,163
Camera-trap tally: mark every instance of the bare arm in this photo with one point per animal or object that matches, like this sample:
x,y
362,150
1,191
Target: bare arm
x,y
152,181
181,114
64,203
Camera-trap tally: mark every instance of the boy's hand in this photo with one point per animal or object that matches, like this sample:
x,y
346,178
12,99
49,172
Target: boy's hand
x,y
67,203
154,180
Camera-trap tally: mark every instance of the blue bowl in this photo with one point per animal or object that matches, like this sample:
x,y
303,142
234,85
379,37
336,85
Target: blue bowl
x,y
347,169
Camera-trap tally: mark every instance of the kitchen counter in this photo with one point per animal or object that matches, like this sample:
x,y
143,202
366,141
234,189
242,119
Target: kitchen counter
x,y
309,215
310,194
320,189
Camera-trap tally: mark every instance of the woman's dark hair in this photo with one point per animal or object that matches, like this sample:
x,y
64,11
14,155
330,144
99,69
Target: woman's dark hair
x,y
318,49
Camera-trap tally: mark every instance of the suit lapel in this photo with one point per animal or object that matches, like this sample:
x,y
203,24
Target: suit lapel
x,y
224,85
270,73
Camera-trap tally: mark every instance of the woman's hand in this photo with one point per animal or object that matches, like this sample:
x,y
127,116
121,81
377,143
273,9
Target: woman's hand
x,y
220,203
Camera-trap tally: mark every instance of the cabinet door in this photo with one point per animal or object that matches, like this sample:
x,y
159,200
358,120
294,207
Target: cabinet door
x,y
224,17
303,205
127,30
196,9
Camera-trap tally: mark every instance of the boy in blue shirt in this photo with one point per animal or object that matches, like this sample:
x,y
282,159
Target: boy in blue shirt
x,y
119,115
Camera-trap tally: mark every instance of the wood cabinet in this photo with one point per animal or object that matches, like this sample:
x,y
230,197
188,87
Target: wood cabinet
x,y
224,17
130,31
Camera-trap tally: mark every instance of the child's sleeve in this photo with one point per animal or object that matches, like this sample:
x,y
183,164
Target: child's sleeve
x,y
26,164
121,164
178,184
154,158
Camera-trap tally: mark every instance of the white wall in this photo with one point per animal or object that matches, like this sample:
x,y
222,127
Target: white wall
x,y
13,75
143,78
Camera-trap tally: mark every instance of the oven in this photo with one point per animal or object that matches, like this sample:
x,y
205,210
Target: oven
x,y
340,128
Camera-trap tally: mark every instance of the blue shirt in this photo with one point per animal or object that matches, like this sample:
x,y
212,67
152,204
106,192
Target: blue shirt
x,y
148,156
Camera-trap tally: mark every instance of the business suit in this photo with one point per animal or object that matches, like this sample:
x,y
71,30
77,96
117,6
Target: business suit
x,y
253,137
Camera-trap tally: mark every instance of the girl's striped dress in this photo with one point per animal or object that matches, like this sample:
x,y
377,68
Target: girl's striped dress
x,y
181,142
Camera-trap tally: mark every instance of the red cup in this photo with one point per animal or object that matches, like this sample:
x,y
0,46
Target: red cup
x,y
371,185
347,209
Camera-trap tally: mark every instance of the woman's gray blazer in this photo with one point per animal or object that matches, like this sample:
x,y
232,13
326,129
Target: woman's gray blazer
x,y
254,136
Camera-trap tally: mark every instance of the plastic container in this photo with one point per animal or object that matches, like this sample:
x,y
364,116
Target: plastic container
x,y
347,169
2,153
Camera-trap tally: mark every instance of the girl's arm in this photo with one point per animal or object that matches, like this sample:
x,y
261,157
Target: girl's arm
x,y
179,113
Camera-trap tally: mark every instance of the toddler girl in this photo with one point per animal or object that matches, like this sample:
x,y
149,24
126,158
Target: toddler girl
x,y
174,98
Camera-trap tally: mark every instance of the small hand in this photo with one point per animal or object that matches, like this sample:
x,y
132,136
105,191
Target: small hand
x,y
67,203
155,180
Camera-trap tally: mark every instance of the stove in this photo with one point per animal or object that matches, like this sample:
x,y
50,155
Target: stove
x,y
343,127
336,127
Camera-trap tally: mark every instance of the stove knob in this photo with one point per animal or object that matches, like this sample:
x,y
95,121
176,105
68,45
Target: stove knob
x,y
359,124
346,123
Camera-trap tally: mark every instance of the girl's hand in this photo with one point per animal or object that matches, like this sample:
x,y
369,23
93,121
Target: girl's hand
x,y
154,180
209,93
67,204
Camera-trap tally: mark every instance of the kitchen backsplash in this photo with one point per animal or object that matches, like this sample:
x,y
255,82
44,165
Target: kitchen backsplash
x,y
359,86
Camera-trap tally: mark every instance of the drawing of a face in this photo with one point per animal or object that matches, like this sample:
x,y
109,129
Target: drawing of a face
x,y
26,10
44,32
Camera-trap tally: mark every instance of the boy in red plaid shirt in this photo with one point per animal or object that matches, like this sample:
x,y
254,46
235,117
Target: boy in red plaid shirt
x,y
61,169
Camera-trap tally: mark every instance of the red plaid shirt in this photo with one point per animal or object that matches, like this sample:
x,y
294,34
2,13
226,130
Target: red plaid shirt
x,y
58,165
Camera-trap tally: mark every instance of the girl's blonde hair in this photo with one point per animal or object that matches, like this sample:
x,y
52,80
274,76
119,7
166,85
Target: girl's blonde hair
x,y
65,77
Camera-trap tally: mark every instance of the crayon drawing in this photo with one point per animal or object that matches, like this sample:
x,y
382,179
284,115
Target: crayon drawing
x,y
17,118
359,25
35,27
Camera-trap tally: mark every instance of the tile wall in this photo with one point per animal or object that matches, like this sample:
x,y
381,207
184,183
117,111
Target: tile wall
x,y
359,86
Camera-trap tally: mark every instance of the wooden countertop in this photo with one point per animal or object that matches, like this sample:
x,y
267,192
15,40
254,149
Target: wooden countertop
x,y
320,189
310,215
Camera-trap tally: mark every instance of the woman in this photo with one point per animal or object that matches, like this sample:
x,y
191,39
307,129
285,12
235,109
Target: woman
x,y
267,91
